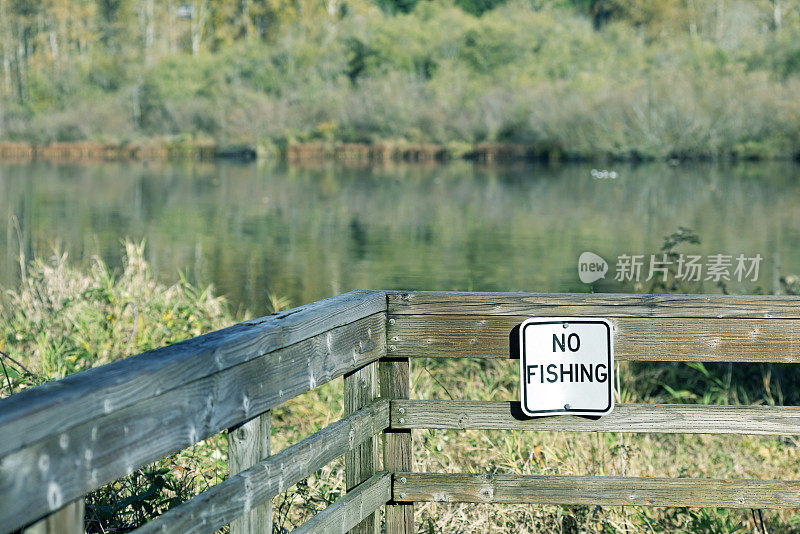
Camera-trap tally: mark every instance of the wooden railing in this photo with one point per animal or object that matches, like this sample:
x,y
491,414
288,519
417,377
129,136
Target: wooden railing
x,y
64,439
646,328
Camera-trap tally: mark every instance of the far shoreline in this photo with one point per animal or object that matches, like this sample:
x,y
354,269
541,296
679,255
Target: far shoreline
x,y
309,152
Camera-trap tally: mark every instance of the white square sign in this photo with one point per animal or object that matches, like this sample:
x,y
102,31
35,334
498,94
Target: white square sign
x,y
566,366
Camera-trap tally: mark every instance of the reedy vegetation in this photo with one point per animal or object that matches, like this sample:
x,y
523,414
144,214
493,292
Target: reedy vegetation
x,y
64,319
572,78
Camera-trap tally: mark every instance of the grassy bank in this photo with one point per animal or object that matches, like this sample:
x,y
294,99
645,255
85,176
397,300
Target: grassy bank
x,y
66,318
567,80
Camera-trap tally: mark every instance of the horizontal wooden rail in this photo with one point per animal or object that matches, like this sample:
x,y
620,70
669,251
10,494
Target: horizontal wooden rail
x,y
82,396
62,445
590,490
592,304
635,338
237,495
657,418
351,509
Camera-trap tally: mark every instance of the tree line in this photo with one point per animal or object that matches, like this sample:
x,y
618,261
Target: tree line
x,y
434,70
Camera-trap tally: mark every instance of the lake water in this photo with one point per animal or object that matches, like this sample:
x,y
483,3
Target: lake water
x,y
308,233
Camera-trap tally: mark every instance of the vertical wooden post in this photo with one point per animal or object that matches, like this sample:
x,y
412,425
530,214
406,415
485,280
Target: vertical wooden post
x,y
396,384
67,520
248,444
361,388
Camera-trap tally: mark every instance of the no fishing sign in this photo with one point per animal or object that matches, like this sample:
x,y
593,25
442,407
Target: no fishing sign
x,y
566,366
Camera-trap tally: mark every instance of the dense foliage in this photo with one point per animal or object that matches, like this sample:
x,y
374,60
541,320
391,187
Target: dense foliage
x,y
667,78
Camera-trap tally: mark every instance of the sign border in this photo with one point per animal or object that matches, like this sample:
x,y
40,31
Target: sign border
x,y
562,320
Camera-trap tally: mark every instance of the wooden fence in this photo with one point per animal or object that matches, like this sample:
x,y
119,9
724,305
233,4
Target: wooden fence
x,y
61,440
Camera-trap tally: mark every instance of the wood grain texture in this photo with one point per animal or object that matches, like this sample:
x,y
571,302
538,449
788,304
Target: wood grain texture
x,y
592,304
352,509
248,444
229,499
68,520
362,462
41,477
602,491
53,407
656,339
657,418
395,378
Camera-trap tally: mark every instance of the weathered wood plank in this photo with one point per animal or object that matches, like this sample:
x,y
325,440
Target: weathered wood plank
x,y
657,418
603,491
65,466
352,509
395,378
248,444
662,339
68,520
229,499
593,304
361,463
29,416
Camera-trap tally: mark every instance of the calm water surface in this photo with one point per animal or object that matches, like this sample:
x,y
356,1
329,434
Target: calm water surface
x,y
308,233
